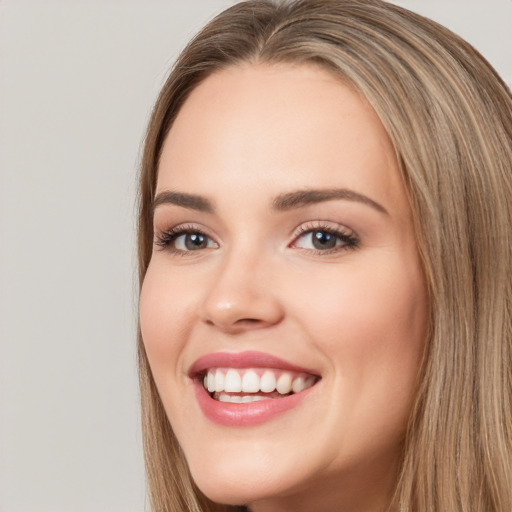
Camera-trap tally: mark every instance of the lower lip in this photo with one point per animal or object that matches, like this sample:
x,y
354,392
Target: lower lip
x,y
245,415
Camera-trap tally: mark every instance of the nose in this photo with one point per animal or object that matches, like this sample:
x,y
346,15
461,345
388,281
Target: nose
x,y
242,296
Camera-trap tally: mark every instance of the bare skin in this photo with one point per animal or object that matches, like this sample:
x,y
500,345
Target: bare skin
x,y
330,281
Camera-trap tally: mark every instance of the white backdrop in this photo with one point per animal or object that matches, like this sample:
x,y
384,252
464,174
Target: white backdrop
x,y
77,81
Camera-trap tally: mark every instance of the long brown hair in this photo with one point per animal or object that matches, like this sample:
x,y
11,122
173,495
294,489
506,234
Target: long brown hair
x,y
449,117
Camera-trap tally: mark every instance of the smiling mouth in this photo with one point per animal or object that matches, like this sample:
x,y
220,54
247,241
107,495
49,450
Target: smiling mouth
x,y
237,385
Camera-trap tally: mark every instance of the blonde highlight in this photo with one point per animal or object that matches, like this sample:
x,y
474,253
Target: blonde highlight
x,y
449,117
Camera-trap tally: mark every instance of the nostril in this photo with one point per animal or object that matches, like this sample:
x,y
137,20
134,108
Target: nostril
x,y
248,321
241,321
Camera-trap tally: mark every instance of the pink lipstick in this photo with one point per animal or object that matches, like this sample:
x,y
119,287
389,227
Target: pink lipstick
x,y
248,388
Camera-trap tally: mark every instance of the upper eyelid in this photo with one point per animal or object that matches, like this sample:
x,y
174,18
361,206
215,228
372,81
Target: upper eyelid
x,y
184,227
319,225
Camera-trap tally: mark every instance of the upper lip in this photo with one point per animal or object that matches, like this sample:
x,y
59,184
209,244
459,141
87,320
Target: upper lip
x,y
248,359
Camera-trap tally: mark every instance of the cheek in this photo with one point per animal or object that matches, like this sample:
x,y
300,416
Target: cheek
x,y
370,323
371,327
384,300
162,318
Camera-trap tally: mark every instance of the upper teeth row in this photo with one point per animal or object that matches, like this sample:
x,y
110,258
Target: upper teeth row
x,y
233,380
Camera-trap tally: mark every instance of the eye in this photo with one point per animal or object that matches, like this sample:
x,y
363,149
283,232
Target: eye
x,y
192,242
185,239
326,239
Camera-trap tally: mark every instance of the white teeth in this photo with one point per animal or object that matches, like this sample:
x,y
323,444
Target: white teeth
x,y
219,381
284,384
248,398
298,384
233,382
250,380
237,399
210,382
268,382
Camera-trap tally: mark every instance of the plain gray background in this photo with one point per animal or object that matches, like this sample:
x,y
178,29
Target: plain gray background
x,y
77,81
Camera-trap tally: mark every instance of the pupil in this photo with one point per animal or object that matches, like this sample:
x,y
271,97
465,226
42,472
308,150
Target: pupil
x,y
195,241
323,240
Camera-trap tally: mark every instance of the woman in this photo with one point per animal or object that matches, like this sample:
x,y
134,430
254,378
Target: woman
x,y
325,262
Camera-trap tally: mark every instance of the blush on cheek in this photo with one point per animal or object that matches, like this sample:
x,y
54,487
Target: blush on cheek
x,y
153,312
166,315
364,320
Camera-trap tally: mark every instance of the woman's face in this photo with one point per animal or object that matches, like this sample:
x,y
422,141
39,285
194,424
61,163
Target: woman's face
x,y
284,256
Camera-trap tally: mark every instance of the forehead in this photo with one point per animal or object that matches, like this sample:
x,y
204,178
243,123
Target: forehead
x,y
277,126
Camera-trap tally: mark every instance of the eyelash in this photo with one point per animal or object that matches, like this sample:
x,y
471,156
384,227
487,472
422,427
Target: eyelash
x,y
349,239
165,239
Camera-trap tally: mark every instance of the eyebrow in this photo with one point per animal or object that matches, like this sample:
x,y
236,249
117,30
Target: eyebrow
x,y
283,202
299,198
191,201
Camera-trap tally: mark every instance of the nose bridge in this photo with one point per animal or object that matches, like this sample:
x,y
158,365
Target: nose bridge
x,y
240,295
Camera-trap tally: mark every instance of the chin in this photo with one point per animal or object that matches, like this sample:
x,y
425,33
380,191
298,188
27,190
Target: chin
x,y
234,489
243,482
